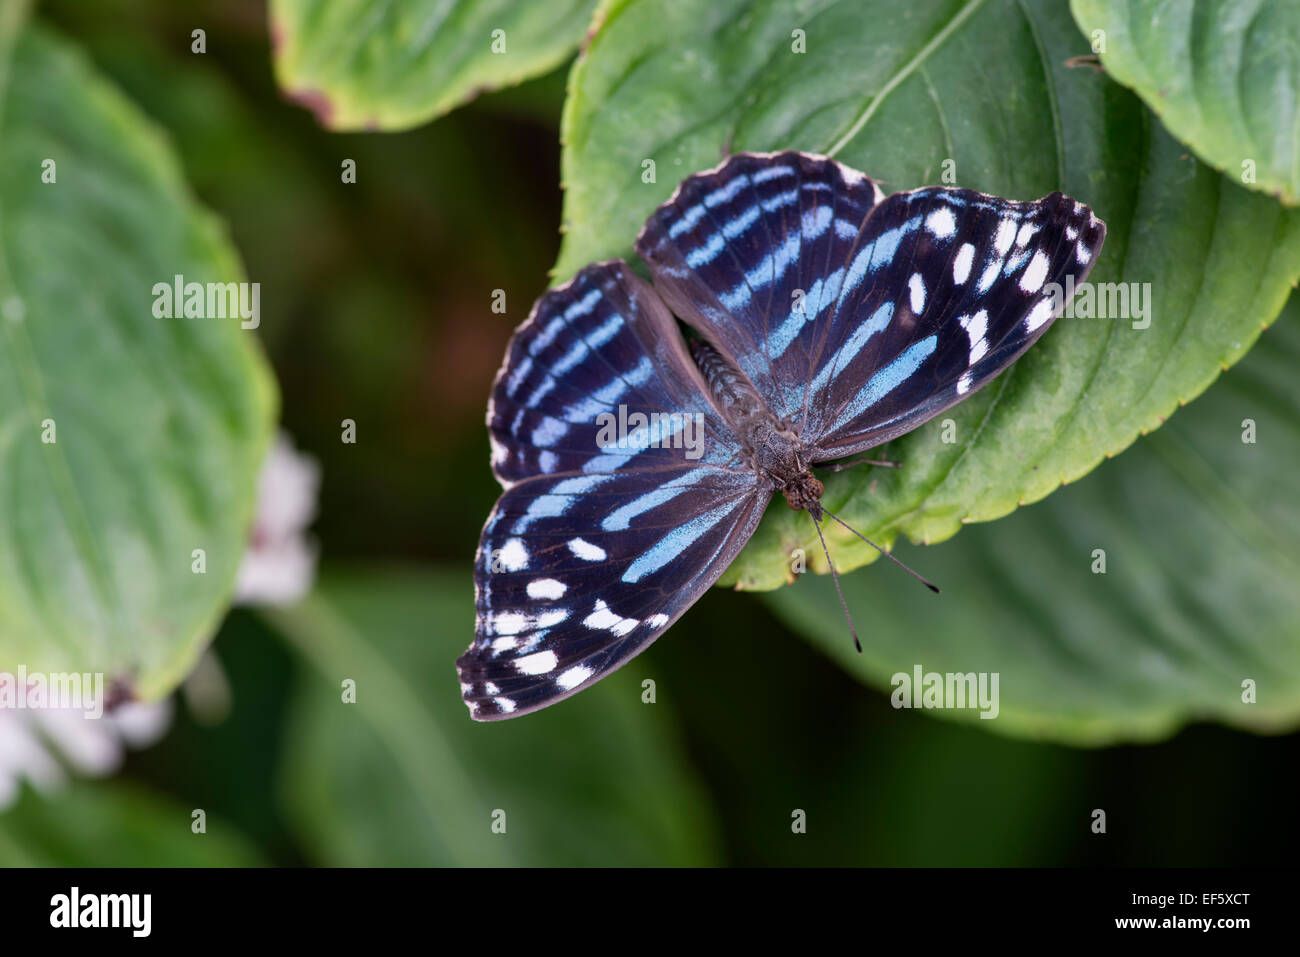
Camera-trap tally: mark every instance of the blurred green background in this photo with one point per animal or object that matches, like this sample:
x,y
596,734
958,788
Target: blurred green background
x,y
376,307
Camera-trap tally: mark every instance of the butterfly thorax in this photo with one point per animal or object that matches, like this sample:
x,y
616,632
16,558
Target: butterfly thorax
x,y
769,444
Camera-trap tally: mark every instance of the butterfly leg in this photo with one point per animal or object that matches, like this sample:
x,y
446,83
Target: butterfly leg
x,y
841,466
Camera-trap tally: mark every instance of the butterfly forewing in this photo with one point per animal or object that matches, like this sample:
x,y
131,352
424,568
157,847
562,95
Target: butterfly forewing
x,y
955,286
753,254
858,316
598,343
604,535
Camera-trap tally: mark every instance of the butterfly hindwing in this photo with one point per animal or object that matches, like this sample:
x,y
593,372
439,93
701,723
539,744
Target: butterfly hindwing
x,y
576,576
597,546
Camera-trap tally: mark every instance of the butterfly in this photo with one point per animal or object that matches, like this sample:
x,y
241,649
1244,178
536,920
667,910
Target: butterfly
x,y
637,458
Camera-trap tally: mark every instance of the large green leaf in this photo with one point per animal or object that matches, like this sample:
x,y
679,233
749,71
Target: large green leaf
x,y
158,425
394,64
403,776
1198,595
107,824
1224,77
896,90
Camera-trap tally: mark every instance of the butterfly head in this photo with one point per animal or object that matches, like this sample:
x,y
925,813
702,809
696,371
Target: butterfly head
x,y
804,493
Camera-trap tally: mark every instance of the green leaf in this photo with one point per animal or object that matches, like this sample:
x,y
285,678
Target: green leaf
x,y
1198,593
1223,77
158,425
114,825
896,90
403,776
394,64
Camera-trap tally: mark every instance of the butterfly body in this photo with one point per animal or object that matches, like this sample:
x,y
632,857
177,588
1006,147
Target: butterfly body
x,y
768,445
636,463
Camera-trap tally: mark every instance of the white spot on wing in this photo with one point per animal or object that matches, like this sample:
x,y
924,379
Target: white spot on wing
x,y
1035,273
512,555
509,623
990,274
505,704
977,327
916,287
546,588
1002,239
574,677
962,263
602,617
941,223
513,623
548,619
1039,315
657,621
541,663
586,551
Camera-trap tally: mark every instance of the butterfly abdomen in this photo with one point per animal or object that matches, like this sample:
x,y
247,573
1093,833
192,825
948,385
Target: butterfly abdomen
x,y
735,397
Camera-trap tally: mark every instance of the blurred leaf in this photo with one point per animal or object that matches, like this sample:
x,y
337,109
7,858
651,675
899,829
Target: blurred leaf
x,y
1223,77
161,423
228,150
112,825
1198,529
326,253
404,777
394,64
896,90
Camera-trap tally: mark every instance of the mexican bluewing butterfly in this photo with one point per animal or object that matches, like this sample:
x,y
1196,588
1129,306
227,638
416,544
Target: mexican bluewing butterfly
x,y
827,319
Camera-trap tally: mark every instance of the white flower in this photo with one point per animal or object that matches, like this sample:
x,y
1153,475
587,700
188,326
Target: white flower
x,y
280,564
41,745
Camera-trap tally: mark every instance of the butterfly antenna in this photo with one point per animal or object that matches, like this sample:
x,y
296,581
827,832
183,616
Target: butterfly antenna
x,y
928,584
836,577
